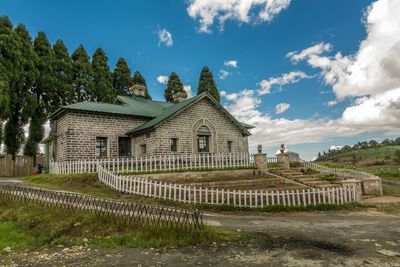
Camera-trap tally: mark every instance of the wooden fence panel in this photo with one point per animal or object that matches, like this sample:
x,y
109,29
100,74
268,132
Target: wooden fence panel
x,y
22,166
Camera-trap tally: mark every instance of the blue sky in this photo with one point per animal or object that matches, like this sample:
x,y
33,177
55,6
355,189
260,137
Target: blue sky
x,y
258,47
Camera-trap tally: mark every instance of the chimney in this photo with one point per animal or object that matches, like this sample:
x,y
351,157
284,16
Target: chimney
x,y
138,90
179,97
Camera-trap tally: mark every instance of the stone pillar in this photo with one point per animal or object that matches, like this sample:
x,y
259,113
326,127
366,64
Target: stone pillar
x,y
283,160
351,183
372,186
261,162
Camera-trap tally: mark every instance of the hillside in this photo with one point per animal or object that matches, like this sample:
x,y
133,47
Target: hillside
x,y
375,154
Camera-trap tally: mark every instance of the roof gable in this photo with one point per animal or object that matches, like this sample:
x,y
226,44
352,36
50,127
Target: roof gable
x,y
175,109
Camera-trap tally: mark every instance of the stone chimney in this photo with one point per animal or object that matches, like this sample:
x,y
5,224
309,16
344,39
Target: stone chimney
x,y
138,90
179,97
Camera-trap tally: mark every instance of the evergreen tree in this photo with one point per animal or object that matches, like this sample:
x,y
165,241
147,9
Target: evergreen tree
x,y
44,91
62,69
82,75
174,85
207,84
139,79
21,83
122,77
8,54
102,80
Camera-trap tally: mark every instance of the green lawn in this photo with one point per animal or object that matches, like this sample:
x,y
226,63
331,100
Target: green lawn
x,y
32,226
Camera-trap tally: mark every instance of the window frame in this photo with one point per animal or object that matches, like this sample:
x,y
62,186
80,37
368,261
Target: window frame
x,y
143,149
230,146
206,144
128,146
174,144
101,142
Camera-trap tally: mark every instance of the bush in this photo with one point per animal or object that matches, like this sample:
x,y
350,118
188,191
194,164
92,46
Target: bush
x,y
308,171
329,177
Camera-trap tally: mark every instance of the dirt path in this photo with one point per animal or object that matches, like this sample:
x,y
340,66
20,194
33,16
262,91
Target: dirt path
x,y
296,239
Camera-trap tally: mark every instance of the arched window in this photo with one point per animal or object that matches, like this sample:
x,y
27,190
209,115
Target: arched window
x,y
203,139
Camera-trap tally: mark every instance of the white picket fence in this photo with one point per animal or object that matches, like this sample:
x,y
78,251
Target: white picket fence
x,y
238,198
157,163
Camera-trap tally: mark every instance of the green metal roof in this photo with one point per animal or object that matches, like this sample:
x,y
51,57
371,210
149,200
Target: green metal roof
x,y
168,112
125,105
156,111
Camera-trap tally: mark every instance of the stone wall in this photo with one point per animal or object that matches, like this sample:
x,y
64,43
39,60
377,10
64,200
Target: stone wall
x,y
77,132
184,126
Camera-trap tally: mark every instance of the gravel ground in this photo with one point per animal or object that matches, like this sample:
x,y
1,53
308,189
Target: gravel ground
x,y
295,239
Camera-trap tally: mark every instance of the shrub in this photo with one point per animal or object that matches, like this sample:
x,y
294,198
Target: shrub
x,y
397,156
329,177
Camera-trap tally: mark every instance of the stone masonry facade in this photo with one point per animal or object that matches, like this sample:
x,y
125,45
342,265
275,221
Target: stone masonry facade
x,y
76,132
184,125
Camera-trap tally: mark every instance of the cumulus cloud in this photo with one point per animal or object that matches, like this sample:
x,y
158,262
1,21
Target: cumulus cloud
x,y
375,67
163,79
313,50
231,63
281,107
286,78
366,114
243,11
223,74
165,37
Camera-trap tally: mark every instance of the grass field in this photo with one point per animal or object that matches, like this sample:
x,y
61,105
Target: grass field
x,y
31,226
377,154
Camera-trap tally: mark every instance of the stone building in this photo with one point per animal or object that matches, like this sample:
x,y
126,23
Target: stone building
x,y
136,126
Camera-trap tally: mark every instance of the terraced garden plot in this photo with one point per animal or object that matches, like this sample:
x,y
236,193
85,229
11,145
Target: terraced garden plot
x,y
267,182
315,180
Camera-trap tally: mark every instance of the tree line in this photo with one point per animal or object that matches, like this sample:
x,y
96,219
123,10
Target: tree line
x,y
36,78
360,145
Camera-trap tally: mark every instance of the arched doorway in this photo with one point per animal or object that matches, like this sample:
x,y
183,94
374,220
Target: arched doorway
x,y
204,137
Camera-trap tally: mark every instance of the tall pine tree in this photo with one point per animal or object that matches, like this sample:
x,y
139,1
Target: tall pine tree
x,y
139,79
122,77
44,91
8,54
207,84
22,101
82,75
102,80
62,69
174,85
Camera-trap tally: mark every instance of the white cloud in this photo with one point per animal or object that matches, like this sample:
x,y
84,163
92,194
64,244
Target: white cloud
x,y
332,102
375,67
313,50
281,107
165,37
163,79
367,114
188,89
231,63
243,11
286,78
223,74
